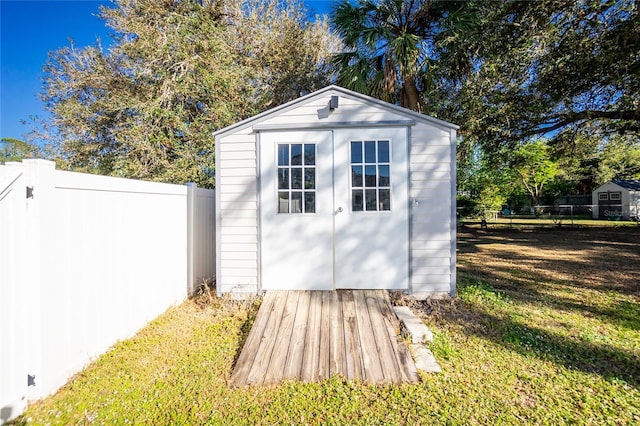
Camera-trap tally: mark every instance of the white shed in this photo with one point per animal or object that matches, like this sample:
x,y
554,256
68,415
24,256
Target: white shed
x,y
336,190
618,199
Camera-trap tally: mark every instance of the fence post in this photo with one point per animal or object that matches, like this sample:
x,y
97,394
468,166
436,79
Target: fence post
x,y
39,240
191,217
572,215
14,295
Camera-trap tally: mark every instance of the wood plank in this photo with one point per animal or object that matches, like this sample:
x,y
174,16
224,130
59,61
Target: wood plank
x,y
370,357
353,349
309,372
337,356
275,370
388,361
250,348
311,335
293,364
324,370
401,351
267,341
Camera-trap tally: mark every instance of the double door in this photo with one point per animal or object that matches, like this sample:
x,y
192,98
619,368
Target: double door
x,y
334,209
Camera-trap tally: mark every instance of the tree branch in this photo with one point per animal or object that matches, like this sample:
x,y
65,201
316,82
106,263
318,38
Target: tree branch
x,y
563,120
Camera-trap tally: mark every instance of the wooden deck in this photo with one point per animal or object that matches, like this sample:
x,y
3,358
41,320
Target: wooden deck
x,y
311,335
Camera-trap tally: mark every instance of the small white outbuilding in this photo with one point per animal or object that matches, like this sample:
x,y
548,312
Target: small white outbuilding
x,y
336,190
618,199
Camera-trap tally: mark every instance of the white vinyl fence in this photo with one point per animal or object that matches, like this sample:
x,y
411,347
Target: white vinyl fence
x,y
85,261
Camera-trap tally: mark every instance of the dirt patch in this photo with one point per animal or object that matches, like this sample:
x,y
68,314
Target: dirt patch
x,y
601,259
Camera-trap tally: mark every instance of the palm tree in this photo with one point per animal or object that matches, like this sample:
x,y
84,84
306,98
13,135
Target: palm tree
x,y
390,47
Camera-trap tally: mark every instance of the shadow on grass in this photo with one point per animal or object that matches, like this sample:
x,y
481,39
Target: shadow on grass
x,y
591,272
602,359
245,329
206,296
538,267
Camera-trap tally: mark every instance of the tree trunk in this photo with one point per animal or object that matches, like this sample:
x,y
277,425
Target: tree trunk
x,y
410,94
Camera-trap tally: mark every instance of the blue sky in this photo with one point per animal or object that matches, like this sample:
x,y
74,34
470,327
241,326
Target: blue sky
x,y
29,30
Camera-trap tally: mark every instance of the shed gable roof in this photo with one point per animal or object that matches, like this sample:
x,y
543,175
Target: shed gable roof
x,y
629,185
333,90
632,185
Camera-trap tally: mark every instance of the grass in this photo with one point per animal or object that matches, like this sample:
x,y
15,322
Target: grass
x,y
546,329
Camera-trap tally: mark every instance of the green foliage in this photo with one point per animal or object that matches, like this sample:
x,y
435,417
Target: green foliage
x,y
287,55
466,206
508,178
15,150
390,48
565,68
485,184
619,159
534,167
178,71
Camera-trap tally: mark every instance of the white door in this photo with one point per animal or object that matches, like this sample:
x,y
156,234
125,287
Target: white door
x,y
372,226
296,210
334,210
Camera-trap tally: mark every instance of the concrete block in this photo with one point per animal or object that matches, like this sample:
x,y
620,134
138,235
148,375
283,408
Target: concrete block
x,y
413,325
424,359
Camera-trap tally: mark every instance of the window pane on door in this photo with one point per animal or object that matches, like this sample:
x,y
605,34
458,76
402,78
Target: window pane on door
x,y
283,154
376,178
383,151
309,154
384,199
283,202
356,200
356,176
283,178
296,184
371,199
356,152
383,176
296,202
370,176
296,178
296,154
309,178
370,152
309,202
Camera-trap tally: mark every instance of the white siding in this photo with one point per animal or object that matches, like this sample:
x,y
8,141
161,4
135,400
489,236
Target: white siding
x,y
432,181
634,204
432,243
237,213
349,110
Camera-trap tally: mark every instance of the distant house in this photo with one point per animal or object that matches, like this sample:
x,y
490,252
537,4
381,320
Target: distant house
x,y
618,199
336,190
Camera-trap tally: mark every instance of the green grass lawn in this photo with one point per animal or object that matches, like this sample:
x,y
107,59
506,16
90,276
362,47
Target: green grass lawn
x,y
546,329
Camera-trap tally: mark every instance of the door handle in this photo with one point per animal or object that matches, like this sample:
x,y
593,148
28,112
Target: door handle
x,y
340,210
